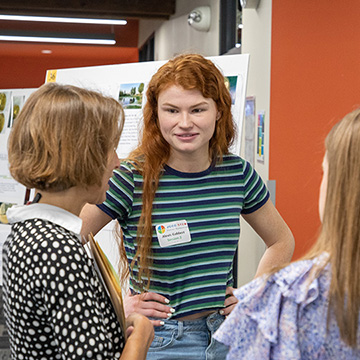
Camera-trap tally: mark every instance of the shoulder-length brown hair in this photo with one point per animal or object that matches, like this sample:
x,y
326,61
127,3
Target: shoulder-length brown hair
x,y
63,136
190,71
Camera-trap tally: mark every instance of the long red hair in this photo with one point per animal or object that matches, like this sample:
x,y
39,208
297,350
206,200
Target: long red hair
x,y
190,71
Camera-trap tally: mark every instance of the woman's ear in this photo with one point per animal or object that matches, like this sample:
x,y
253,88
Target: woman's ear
x,y
218,116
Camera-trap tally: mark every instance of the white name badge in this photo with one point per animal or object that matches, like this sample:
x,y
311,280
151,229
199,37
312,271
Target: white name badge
x,y
173,233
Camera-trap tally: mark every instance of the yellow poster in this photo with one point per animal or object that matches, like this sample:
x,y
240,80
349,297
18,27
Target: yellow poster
x,y
51,76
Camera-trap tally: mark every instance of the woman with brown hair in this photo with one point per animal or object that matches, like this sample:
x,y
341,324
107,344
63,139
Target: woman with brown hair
x,y
62,144
310,309
178,199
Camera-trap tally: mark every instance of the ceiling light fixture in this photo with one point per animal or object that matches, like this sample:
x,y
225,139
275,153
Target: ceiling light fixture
x,y
63,20
57,40
92,39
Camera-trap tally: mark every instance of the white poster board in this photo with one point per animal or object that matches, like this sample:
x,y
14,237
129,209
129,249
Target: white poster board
x,y
124,81
127,83
11,192
11,102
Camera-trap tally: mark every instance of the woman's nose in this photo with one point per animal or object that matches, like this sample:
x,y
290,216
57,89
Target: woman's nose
x,y
186,120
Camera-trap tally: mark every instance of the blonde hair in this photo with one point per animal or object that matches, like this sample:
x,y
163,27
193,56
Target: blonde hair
x,y
340,233
190,71
63,136
340,229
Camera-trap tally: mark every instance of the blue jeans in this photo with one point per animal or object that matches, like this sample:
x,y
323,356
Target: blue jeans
x,y
177,340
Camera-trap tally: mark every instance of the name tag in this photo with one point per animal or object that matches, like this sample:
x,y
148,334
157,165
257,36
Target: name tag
x,y
173,233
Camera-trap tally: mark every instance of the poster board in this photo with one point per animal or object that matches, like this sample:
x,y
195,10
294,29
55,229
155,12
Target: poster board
x,y
128,82
11,192
119,81
11,102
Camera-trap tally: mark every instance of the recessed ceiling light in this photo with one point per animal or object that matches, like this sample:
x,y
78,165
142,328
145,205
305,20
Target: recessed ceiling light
x,y
46,51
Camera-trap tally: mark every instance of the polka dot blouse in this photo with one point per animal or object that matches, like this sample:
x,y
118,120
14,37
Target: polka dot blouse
x,y
55,305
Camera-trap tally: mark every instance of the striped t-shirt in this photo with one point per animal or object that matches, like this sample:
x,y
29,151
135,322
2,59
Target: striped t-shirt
x,y
192,275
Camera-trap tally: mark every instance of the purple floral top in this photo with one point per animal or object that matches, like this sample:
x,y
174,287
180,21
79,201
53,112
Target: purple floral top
x,y
285,318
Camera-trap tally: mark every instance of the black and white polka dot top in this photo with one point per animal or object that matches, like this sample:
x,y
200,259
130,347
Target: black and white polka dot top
x,y
55,306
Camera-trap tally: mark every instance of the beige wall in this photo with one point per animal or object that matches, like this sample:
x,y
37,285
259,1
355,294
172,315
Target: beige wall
x,y
256,41
176,36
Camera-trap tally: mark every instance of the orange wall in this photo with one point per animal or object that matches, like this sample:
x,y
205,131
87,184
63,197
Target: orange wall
x,y
29,71
315,81
23,65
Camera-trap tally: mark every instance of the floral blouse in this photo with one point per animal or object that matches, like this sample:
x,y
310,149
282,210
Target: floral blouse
x,y
284,316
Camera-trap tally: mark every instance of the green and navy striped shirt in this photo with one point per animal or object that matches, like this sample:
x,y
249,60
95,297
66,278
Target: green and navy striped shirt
x,y
192,275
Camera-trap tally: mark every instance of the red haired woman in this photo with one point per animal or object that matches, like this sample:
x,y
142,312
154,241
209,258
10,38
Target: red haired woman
x,y
178,199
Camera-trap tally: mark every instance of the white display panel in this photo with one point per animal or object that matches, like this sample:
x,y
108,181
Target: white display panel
x,y
11,102
119,81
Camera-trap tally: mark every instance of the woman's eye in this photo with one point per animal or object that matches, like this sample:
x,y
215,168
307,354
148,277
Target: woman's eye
x,y
198,110
171,111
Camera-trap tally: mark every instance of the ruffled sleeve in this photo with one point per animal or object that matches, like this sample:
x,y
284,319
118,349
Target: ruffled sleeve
x,y
265,322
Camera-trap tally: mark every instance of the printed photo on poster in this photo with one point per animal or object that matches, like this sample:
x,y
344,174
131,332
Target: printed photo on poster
x,y
130,95
235,85
260,137
250,129
230,82
17,104
3,209
5,107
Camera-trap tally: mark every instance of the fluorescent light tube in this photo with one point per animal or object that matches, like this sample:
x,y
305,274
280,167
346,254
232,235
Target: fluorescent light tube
x,y
57,40
63,19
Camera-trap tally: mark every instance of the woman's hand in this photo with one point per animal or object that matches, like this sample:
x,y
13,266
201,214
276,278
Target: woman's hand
x,y
230,302
138,324
140,333
149,304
